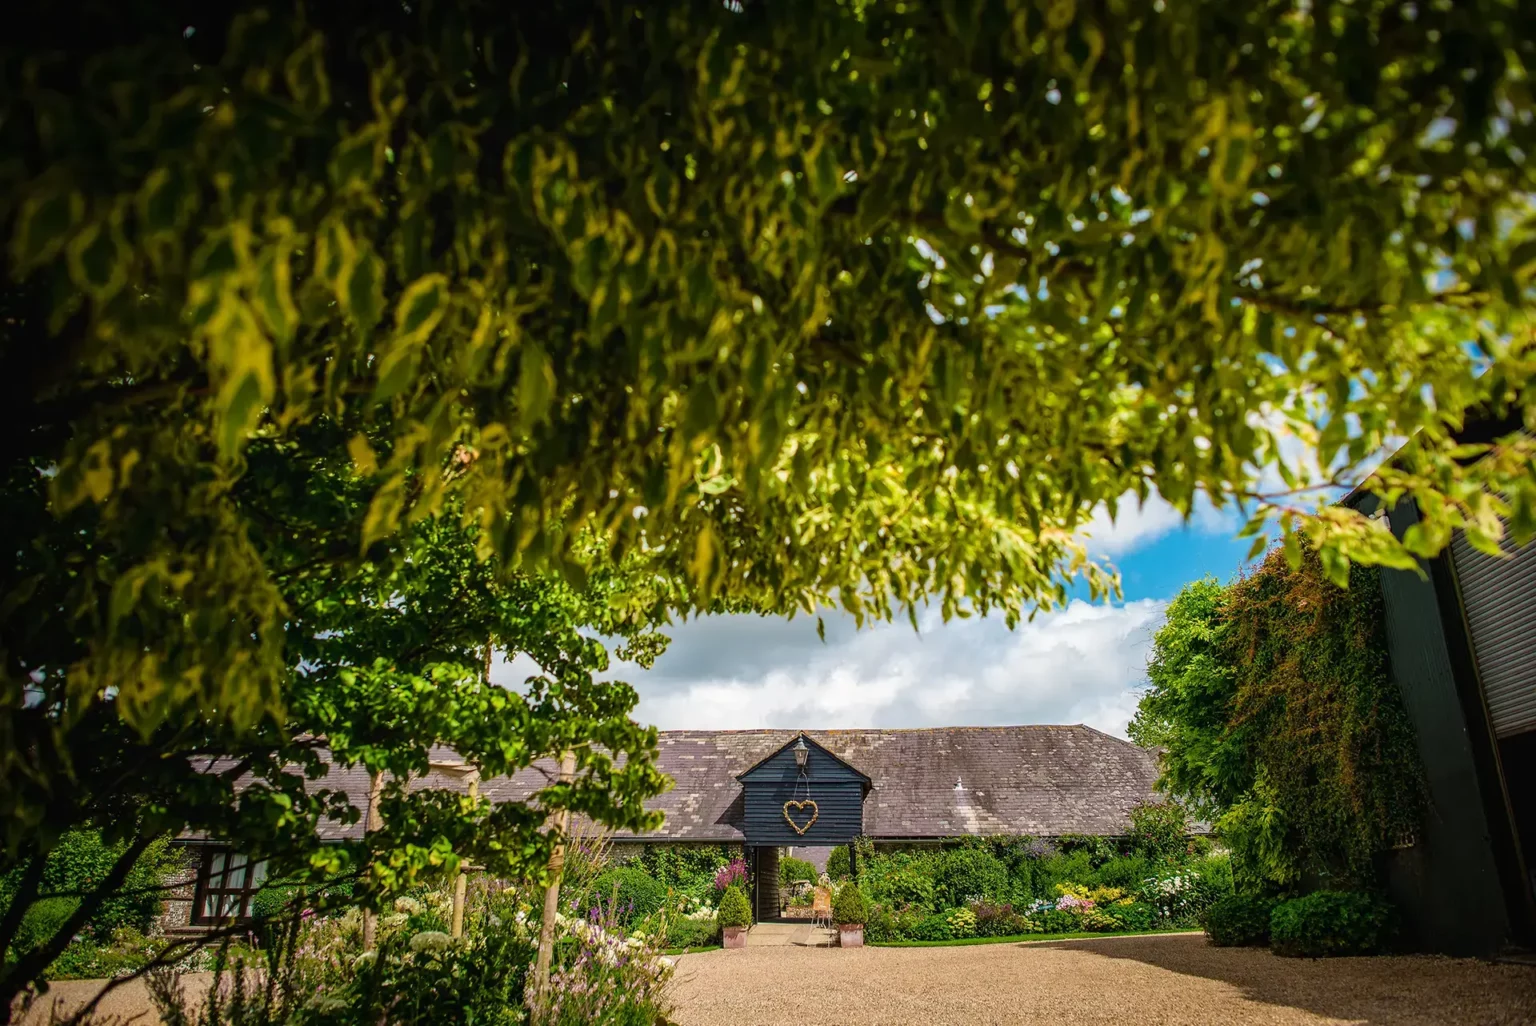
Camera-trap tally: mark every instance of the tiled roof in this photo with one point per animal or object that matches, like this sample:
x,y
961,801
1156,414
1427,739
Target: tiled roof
x,y
1044,781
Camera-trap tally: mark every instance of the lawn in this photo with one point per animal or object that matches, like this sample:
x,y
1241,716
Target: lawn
x,y
1024,938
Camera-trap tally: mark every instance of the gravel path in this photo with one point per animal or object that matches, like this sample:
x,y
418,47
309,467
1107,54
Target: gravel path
x,y
128,1004
1124,981
1132,981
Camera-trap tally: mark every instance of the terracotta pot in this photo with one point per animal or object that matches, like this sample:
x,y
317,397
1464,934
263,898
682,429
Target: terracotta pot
x,y
735,936
850,935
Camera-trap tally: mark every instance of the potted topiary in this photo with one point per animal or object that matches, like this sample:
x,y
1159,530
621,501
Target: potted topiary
x,y
850,911
735,917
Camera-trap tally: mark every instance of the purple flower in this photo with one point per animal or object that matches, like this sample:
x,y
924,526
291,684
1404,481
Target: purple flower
x,y
733,873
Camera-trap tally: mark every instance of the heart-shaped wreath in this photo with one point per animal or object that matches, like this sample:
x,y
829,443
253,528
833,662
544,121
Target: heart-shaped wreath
x,y
799,807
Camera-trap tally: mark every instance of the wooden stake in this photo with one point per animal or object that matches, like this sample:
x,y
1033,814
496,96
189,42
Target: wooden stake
x,y
460,883
370,824
538,992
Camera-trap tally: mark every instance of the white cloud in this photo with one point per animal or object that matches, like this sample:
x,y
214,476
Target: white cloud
x,y
1082,664
1138,524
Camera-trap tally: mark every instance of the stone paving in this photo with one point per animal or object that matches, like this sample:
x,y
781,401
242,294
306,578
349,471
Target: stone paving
x,y
798,935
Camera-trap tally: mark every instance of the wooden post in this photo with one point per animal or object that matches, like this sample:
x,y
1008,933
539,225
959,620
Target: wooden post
x,y
538,992
370,824
461,882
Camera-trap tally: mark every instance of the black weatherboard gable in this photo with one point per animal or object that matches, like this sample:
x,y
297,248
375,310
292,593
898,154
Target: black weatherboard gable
x,y
787,748
783,804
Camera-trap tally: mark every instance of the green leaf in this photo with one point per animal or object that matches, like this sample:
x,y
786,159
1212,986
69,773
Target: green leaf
x,y
421,307
304,73
358,159
43,226
661,190
98,259
384,511
535,385
363,292
273,293
166,201
1293,549
703,411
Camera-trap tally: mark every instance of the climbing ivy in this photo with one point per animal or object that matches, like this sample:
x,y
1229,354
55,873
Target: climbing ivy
x,y
1273,700
1315,702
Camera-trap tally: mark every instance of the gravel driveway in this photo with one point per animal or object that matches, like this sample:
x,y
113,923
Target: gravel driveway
x,y
1130,981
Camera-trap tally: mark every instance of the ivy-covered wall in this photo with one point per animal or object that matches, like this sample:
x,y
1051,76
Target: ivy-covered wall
x,y
1272,700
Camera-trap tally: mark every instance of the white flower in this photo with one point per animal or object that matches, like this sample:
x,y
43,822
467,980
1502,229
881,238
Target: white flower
x,y
431,940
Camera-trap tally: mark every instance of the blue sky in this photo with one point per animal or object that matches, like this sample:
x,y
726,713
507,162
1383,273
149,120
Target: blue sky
x,y
1083,664
1163,566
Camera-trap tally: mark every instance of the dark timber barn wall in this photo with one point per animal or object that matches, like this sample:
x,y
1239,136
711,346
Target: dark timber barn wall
x,y
837,789
1460,885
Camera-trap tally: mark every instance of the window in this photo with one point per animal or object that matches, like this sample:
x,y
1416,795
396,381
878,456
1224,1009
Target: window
x,y
226,882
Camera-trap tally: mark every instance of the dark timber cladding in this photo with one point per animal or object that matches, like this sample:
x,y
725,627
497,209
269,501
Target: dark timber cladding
x,y
825,800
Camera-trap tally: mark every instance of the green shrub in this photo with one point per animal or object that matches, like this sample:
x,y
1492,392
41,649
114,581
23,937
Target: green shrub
x,y
793,870
933,927
1181,900
85,959
1046,873
839,863
1215,871
1331,923
1095,849
1160,831
848,906
42,921
1054,921
1238,920
1098,921
1127,872
692,933
888,924
628,894
271,901
81,858
735,909
968,874
1138,915
689,868
901,879
275,898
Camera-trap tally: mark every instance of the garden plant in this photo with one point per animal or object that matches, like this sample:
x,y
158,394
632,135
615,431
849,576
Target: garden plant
x,y
1158,877
344,346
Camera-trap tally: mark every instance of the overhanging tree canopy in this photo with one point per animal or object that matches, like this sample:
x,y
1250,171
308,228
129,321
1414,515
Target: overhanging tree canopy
x,y
862,303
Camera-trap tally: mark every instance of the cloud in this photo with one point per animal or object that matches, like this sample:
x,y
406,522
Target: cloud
x,y
1081,664
1137,524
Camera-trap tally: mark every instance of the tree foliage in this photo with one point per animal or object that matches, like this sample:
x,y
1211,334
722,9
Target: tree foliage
x,y
389,658
1273,703
864,303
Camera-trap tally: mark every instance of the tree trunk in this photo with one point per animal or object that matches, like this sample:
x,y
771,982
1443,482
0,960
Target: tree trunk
x,y
370,824
537,993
